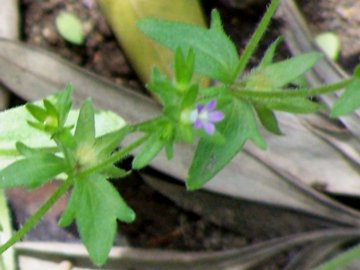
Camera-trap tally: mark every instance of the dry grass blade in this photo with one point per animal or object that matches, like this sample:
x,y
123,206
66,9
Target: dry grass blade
x,y
315,254
125,258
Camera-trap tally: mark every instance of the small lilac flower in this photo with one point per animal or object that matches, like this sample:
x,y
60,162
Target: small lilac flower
x,y
204,116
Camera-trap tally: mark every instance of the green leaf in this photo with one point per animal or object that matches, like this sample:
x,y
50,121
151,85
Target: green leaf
x,y
189,99
85,126
169,150
214,92
268,119
27,151
293,105
163,88
66,138
50,108
114,172
282,73
270,52
184,68
24,150
64,103
301,82
69,213
37,112
96,205
150,148
32,172
215,54
105,144
36,125
238,126
185,133
70,28
349,101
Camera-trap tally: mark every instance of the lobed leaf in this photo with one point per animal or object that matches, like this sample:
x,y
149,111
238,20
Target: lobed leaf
x,y
96,205
215,54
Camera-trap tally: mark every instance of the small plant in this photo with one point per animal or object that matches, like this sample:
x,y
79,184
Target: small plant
x,y
220,119
70,28
330,44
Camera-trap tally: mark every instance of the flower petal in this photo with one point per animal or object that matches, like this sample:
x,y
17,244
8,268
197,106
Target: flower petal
x,y
209,128
199,108
198,123
215,116
211,105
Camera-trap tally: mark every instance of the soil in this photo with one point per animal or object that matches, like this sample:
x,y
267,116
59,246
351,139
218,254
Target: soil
x,y
160,222
341,18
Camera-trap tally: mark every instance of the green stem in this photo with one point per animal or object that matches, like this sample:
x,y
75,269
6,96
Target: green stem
x,y
147,123
255,38
115,157
290,93
34,219
342,260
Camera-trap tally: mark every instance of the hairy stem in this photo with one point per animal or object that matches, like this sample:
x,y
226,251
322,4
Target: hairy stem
x,y
290,93
255,38
34,219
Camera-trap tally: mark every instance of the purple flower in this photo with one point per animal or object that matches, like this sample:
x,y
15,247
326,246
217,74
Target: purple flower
x,y
204,116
